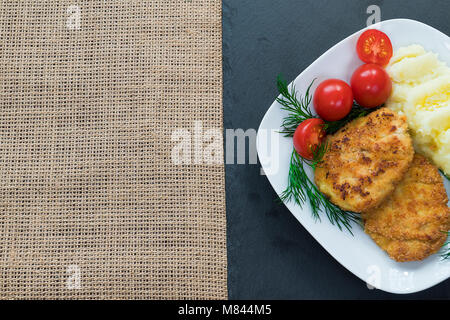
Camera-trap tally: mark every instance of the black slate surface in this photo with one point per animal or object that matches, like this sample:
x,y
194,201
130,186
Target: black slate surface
x,y
270,255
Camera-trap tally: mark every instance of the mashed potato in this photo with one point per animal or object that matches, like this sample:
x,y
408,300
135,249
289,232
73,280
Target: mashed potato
x,y
421,91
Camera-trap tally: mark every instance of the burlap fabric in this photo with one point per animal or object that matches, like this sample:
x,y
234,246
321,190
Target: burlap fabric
x,y
92,206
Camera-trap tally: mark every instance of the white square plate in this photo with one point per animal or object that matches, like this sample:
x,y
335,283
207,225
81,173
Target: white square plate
x,y
357,253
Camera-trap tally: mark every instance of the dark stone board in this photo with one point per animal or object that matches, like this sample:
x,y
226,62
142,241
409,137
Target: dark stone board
x,y
270,255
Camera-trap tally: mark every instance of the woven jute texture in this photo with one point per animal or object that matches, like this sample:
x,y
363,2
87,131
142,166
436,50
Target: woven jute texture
x,y
92,205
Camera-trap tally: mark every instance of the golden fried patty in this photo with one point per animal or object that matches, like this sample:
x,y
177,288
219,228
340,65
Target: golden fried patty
x,y
410,224
365,160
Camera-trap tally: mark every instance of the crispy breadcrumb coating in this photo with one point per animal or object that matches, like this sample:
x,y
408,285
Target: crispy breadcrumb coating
x,y
365,160
411,224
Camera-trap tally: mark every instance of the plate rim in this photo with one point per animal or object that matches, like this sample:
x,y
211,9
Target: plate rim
x,y
264,119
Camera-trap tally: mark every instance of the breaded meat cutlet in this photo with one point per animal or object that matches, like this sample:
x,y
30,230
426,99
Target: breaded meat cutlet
x,y
410,224
365,160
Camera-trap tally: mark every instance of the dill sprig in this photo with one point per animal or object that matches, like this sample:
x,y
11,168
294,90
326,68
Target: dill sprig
x,y
301,189
299,109
446,249
356,112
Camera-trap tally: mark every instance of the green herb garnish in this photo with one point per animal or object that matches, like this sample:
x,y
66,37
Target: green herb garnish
x,y
300,111
356,112
301,188
298,108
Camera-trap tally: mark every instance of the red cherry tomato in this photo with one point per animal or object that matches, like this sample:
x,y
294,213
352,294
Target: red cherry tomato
x,y
371,85
308,136
333,99
374,46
